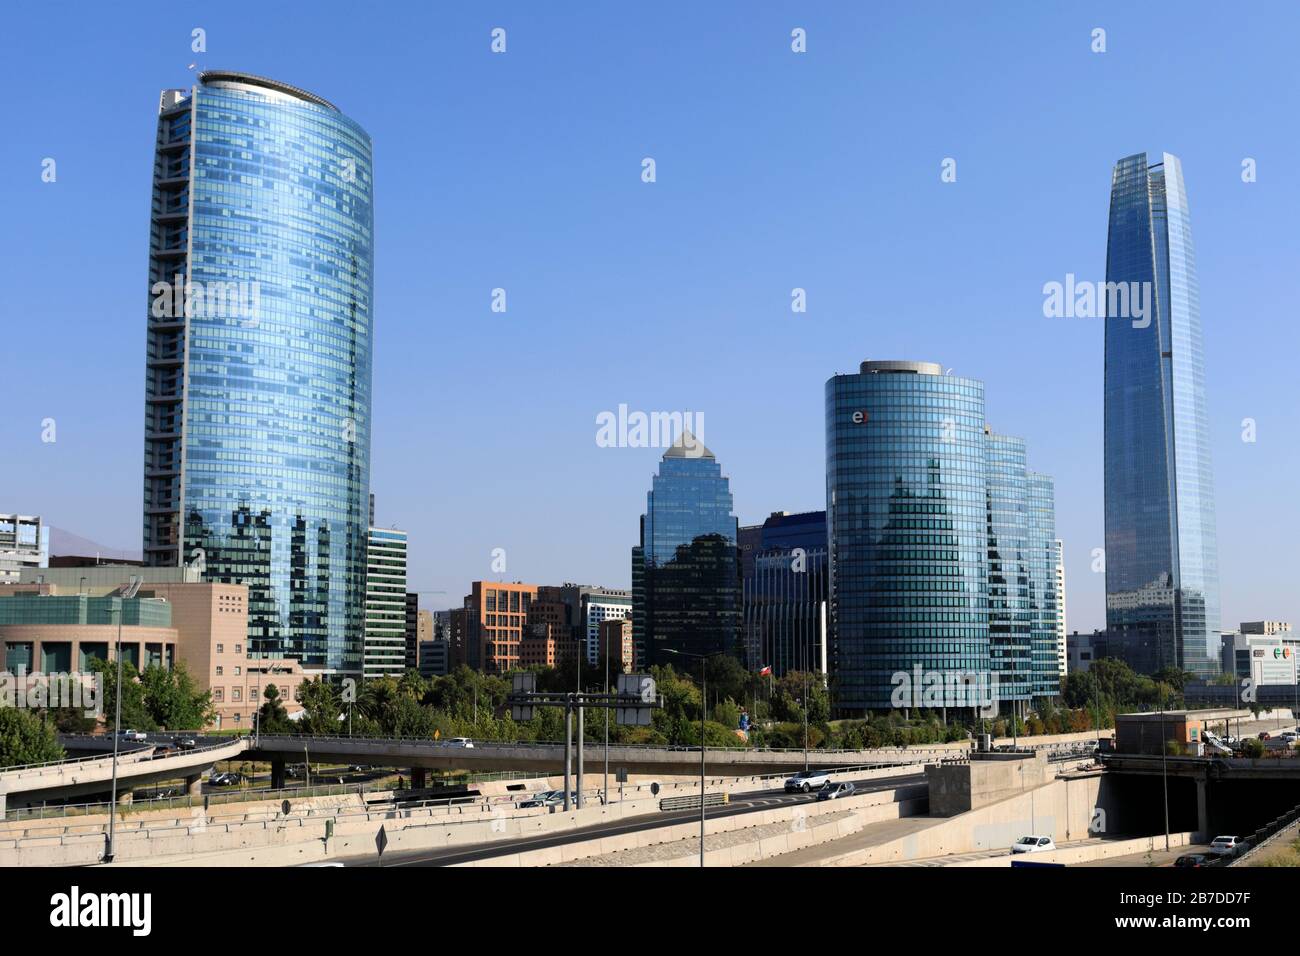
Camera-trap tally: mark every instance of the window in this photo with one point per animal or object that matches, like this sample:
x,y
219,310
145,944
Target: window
x,y
237,694
221,671
221,648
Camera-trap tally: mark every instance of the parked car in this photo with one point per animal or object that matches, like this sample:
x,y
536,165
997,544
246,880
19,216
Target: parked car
x,y
1033,844
1225,844
833,791
137,735
1192,859
463,742
807,781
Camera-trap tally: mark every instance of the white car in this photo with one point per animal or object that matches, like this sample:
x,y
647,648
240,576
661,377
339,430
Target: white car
x,y
1033,844
133,735
463,742
807,781
1225,844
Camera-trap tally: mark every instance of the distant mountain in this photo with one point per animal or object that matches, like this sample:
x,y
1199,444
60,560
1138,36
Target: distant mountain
x,y
65,542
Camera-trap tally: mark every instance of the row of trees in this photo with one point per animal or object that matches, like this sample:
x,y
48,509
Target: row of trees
x,y
466,703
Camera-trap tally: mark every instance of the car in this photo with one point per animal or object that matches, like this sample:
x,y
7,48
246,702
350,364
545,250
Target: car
x,y
137,735
1290,737
1035,843
1223,845
185,743
545,798
463,742
1192,859
1265,735
833,791
294,772
807,781
226,779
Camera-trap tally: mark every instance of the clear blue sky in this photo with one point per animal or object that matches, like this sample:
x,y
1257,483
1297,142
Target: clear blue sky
x,y
775,170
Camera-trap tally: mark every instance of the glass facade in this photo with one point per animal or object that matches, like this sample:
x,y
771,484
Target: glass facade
x,y
1010,617
1162,577
258,383
906,514
785,593
385,645
1045,635
942,544
686,570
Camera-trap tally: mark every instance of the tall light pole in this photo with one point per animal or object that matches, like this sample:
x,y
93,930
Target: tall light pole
x,y
128,593
704,692
604,793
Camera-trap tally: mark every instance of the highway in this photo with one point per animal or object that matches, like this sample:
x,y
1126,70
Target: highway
x,y
740,803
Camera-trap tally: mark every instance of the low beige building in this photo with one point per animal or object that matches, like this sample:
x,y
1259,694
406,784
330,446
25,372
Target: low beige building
x,y
209,632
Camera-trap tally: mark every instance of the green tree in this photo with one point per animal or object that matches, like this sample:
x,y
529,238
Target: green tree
x,y
25,738
135,712
174,701
322,707
272,718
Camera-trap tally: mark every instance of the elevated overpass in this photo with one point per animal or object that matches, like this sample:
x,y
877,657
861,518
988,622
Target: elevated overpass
x,y
424,754
84,776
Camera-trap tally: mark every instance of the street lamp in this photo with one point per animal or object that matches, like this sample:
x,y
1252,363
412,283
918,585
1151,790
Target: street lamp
x,y
128,593
704,696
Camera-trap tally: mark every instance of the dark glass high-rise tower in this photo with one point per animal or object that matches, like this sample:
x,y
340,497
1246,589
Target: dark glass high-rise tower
x,y
686,570
1162,566
257,394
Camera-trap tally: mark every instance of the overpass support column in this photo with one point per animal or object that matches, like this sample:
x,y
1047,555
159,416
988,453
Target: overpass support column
x,y
1203,807
418,779
194,785
277,774
2,806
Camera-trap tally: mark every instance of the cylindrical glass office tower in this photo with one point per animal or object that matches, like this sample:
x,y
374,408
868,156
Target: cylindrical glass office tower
x,y
257,408
906,521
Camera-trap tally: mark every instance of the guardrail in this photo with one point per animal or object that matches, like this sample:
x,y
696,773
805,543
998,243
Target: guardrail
x,y
692,801
1261,836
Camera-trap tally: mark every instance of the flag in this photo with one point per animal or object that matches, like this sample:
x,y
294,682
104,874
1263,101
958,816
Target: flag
x,y
766,671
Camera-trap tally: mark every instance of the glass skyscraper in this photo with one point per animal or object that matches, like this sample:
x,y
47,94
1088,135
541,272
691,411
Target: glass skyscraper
x,y
257,395
938,539
686,570
785,592
1162,567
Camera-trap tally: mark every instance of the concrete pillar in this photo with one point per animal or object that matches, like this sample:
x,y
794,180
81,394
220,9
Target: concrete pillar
x,y
418,779
277,774
1203,807
581,747
2,806
194,785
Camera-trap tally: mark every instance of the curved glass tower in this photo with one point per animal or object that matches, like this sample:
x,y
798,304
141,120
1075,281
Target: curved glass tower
x,y
906,515
1162,566
257,395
